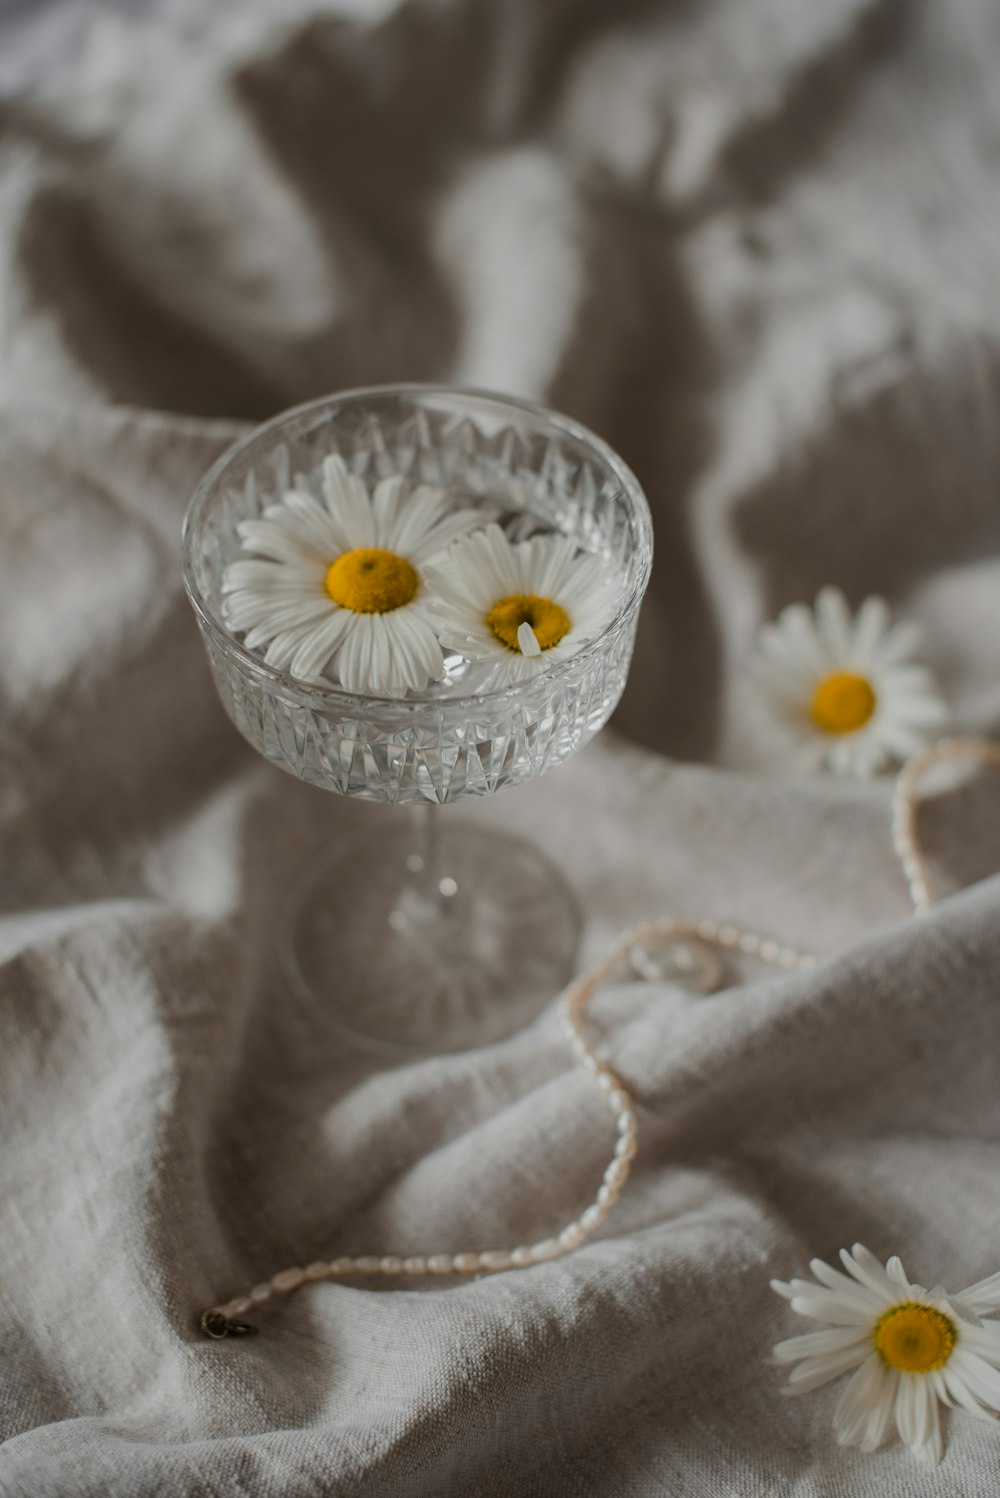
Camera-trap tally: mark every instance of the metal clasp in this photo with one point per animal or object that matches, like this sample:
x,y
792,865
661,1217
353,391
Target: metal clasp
x,y
215,1324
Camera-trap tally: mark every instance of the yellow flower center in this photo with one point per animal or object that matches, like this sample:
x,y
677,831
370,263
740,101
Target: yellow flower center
x,y
914,1338
842,703
371,581
548,620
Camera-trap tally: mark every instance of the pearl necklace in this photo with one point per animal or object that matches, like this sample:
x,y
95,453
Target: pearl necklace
x,y
904,807
688,938
693,965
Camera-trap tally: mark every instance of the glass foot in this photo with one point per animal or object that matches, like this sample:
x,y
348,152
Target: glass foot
x,y
417,947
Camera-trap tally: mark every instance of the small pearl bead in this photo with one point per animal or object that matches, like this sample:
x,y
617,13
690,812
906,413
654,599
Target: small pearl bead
x,y
616,1173
340,1266
591,1218
416,1264
259,1294
549,1248
466,1263
571,1236
729,936
496,1258
749,943
618,1100
625,1148
606,1082
317,1270
238,1307
606,1196
390,1264
440,1264
288,1279
520,1256
367,1264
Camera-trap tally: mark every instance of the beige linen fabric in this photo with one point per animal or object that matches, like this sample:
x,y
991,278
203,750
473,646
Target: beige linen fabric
x,y
754,246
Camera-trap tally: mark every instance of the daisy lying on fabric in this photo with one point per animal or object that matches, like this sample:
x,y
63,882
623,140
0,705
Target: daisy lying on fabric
x,y
517,608
345,580
911,1347
845,688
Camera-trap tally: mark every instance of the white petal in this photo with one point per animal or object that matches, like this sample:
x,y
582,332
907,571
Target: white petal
x,y
866,1269
899,644
512,669
281,649
900,741
485,576
843,760
863,1398
785,652
799,630
424,528
869,627
384,664
897,1274
347,501
827,1305
242,611
420,647
817,1344
545,563
933,1446
842,1284
307,520
268,539
917,1416
286,617
880,1416
317,647
589,579
983,1340
527,641
961,1395
833,620
386,503
264,576
977,1375
917,712
984,1295
812,1373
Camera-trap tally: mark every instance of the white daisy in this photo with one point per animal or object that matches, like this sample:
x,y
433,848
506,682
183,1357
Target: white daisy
x,y
910,1347
846,688
517,608
343,581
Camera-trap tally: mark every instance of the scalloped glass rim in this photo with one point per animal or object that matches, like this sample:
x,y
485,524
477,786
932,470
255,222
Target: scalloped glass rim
x,y
309,695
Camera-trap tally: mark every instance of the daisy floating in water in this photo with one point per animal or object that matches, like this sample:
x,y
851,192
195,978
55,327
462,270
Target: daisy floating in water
x,y
518,608
343,581
845,687
910,1347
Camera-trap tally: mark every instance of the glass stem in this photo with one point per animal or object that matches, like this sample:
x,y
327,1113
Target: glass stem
x,y
426,864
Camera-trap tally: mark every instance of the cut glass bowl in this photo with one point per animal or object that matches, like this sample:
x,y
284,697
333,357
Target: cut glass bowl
x,y
448,936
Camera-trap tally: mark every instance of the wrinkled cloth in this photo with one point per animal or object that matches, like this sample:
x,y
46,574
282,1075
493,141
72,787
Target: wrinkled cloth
x,y
753,245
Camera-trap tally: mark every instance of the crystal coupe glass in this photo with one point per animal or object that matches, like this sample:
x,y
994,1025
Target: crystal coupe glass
x,y
422,935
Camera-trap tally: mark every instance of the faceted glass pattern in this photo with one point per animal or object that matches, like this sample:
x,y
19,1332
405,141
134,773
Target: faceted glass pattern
x,y
433,747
